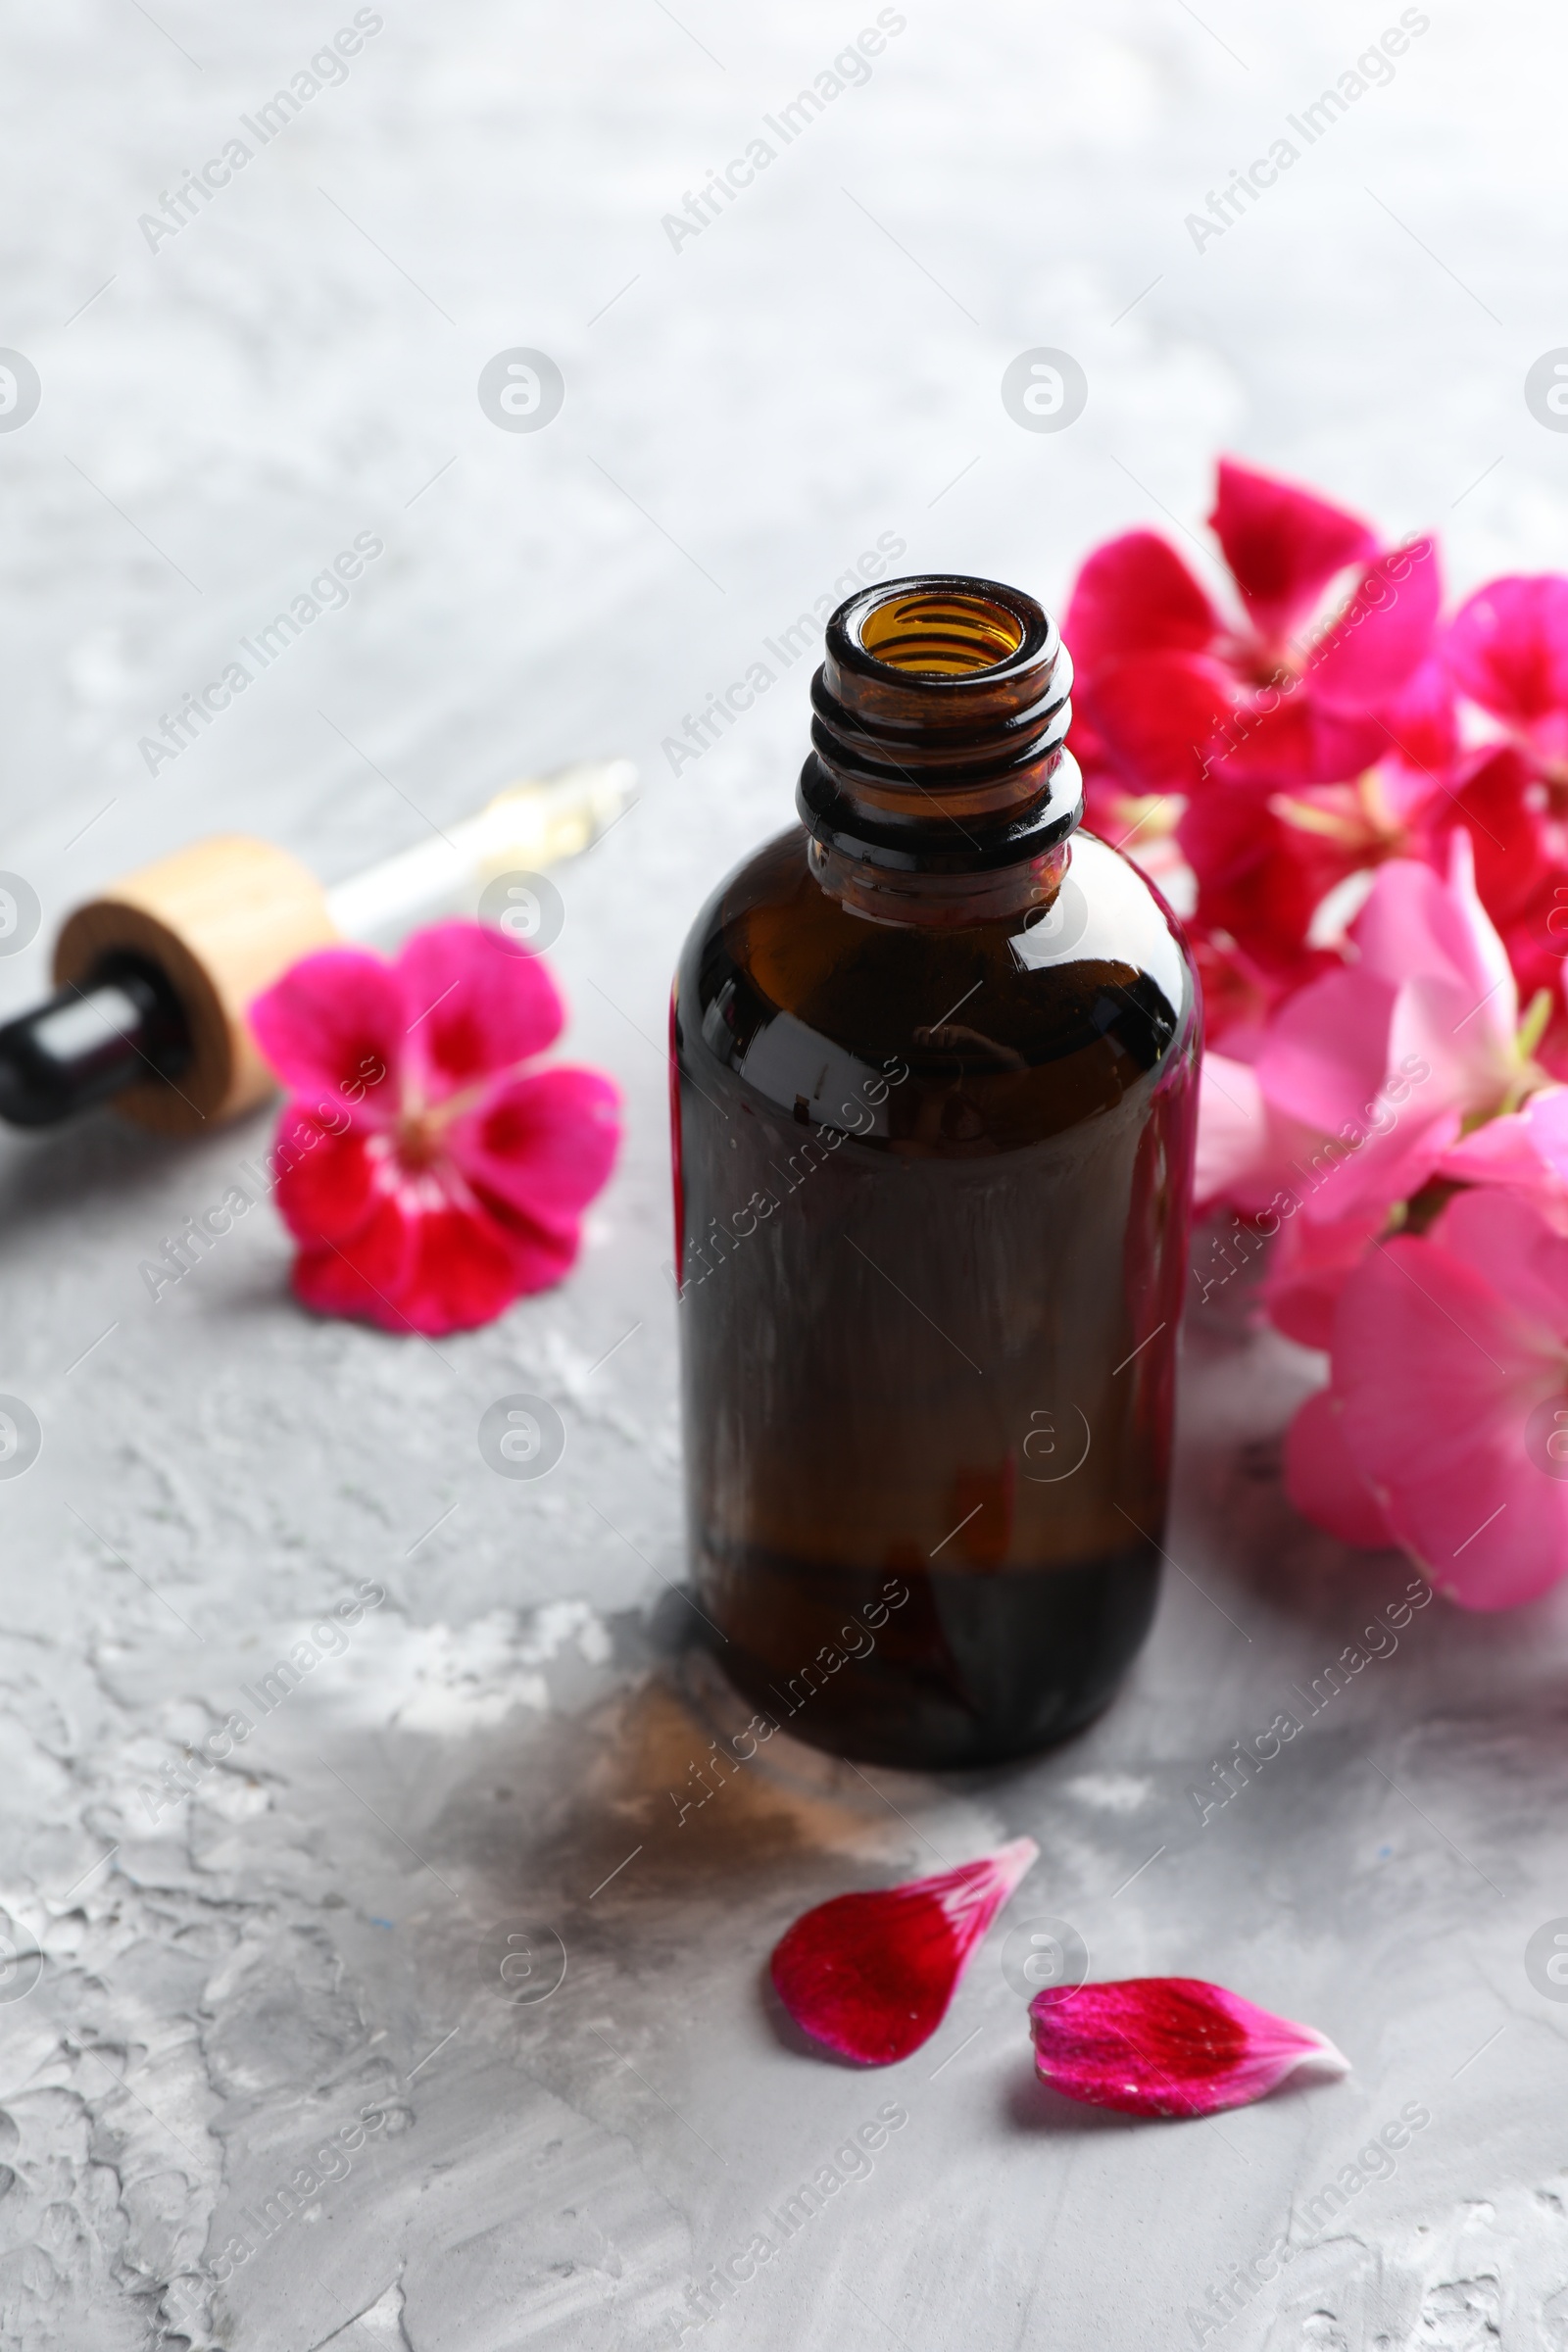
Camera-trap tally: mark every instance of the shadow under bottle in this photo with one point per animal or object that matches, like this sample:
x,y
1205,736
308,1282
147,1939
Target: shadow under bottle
x,y
934,1091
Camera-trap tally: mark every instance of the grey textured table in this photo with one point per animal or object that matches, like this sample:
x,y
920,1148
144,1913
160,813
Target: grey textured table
x,y
231,1977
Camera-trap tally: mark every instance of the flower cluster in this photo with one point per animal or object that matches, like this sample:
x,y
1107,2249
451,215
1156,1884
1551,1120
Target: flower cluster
x,y
1363,805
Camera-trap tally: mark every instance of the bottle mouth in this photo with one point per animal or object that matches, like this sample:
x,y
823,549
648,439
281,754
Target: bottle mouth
x,y
939,728
938,635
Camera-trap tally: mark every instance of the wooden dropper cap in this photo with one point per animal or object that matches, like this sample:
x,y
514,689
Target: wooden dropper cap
x,y
221,921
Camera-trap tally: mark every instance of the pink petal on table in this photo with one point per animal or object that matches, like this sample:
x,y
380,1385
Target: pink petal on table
x,y
872,1975
1169,2045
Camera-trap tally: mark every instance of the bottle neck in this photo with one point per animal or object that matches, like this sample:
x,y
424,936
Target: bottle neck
x,y
942,901
940,787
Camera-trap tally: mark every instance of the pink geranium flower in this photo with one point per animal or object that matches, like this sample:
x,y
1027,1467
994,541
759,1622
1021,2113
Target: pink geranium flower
x,y
429,1173
1365,1080
1525,1149
872,1975
1265,873
1445,1426
1506,652
1224,729
1169,2045
1374,817
1170,685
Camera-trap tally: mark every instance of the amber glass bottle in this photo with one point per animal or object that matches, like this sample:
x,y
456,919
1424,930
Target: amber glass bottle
x,y
934,1062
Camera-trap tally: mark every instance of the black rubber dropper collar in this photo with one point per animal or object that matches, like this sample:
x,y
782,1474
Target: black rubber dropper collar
x,y
88,1041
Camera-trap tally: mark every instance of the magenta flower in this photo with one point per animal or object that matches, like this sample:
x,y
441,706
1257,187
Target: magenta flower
x,y
1364,1080
1506,651
429,1172
1444,1425
1171,688
1526,1149
1277,750
872,1975
1169,2045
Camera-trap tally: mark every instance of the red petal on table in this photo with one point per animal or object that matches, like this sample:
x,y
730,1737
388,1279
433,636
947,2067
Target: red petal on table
x,y
1169,2045
872,1975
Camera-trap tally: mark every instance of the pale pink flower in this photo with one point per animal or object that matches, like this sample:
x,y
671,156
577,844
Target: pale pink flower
x,y
1365,1080
1445,1426
1526,1149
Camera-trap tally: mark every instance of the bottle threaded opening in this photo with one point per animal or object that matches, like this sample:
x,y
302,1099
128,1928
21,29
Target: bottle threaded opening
x,y
939,725
940,636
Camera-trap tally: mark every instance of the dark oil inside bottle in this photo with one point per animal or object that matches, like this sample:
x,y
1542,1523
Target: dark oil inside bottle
x,y
933,1125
